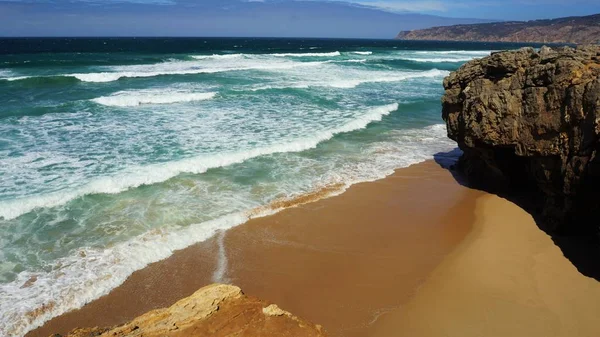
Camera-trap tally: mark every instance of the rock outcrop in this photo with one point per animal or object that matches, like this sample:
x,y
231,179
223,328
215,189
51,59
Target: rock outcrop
x,y
576,30
215,310
530,121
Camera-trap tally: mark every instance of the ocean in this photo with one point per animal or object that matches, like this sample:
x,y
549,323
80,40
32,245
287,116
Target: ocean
x,y
114,152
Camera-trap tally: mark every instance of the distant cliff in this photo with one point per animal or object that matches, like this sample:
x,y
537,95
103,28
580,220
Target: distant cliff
x,y
576,30
530,121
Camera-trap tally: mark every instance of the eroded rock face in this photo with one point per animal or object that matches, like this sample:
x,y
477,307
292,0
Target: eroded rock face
x,y
530,121
216,310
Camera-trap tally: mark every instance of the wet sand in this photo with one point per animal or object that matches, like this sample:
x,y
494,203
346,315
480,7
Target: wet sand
x,y
341,262
506,279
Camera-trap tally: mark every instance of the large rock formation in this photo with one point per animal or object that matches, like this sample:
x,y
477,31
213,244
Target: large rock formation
x,y
530,121
215,310
577,30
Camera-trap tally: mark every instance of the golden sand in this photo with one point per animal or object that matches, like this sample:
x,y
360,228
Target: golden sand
x,y
506,279
414,254
340,262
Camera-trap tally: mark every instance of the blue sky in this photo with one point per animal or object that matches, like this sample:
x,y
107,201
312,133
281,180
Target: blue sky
x,y
490,9
294,18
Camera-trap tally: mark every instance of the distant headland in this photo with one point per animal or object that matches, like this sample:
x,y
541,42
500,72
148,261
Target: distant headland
x,y
572,30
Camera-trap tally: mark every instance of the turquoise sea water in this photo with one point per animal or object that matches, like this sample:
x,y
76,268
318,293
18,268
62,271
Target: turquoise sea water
x,y
115,152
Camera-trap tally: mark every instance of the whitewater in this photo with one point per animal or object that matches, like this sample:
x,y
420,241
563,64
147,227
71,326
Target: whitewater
x,y
109,162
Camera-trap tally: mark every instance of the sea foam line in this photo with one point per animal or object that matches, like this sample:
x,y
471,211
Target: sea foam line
x,y
219,275
5,73
114,76
438,59
83,279
233,56
332,54
451,52
219,56
186,69
151,174
18,78
353,83
347,84
91,273
135,98
195,67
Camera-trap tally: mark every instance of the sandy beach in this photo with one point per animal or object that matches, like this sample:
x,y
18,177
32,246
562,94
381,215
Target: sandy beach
x,y
414,254
339,262
506,279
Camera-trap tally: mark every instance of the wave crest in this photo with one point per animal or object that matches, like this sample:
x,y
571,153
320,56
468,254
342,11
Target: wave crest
x,y
218,56
136,98
438,59
89,273
152,174
178,68
332,54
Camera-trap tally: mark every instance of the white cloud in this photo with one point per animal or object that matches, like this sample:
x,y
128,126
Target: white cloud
x,y
405,6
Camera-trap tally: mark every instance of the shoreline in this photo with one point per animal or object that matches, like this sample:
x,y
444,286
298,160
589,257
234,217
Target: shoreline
x,y
324,237
413,254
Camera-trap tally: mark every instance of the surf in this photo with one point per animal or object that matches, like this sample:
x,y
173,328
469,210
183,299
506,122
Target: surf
x,y
174,68
152,174
437,59
90,273
142,97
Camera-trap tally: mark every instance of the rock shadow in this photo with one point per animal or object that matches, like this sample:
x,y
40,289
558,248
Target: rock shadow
x,y
581,249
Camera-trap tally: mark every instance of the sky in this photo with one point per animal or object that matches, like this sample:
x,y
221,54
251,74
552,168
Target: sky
x,y
493,9
293,18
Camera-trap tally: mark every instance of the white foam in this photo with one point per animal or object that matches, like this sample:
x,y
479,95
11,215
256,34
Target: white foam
x,y
219,275
139,97
77,279
151,174
204,65
341,82
332,54
5,73
443,56
89,273
461,52
235,56
362,52
189,69
437,59
356,61
218,56
353,83
16,78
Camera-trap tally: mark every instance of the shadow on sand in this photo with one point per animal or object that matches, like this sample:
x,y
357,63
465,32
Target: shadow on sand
x,y
582,249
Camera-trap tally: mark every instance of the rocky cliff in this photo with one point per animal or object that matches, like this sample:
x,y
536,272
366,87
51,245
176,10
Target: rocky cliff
x,y
576,30
215,310
529,121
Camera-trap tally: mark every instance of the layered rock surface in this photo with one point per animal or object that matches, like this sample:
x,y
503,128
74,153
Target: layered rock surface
x,y
215,310
530,121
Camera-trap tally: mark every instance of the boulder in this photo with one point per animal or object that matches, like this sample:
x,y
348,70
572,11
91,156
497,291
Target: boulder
x,y
215,310
528,123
